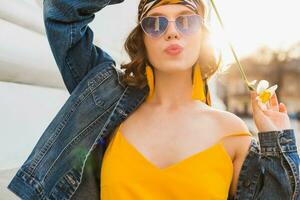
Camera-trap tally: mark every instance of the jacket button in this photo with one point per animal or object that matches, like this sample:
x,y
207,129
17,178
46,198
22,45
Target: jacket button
x,y
262,169
101,141
246,183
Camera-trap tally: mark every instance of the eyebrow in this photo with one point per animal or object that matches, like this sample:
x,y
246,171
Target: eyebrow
x,y
180,13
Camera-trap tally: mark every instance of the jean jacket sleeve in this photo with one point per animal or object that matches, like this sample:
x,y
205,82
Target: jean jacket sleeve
x,y
271,168
71,39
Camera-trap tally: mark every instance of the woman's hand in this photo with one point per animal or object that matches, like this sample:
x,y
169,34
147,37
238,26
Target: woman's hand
x,y
269,117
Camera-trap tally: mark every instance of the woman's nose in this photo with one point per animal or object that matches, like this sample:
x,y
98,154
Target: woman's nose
x,y
172,31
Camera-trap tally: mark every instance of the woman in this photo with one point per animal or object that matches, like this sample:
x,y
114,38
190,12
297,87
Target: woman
x,y
160,122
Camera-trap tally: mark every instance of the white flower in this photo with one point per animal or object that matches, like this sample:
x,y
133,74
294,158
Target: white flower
x,y
264,91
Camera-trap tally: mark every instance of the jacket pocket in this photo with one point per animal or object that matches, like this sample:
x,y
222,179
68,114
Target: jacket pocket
x,y
105,88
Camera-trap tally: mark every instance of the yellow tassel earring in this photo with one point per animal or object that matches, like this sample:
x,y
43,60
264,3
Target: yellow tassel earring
x,y
150,80
198,84
208,99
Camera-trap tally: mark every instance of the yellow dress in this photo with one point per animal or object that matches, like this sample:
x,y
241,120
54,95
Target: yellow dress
x,y
127,174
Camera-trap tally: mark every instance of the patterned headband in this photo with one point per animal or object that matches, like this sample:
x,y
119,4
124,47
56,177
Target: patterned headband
x,y
146,5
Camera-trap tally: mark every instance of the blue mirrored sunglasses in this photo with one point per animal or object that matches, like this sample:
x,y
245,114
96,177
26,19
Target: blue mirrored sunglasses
x,y
155,26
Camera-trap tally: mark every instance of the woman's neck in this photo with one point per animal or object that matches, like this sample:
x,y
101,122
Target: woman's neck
x,y
172,89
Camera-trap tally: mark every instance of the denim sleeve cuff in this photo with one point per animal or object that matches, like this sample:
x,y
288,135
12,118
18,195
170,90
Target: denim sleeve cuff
x,y
274,141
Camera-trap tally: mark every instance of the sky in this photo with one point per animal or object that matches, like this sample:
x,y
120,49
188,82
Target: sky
x,y
252,24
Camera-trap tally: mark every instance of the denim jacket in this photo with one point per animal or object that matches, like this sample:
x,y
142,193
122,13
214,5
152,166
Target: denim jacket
x,y
66,161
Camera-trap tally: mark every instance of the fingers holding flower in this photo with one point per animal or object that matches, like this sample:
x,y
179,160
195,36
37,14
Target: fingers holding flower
x,y
268,114
264,91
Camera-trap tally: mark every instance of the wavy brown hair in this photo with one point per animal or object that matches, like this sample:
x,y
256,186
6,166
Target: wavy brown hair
x,y
135,70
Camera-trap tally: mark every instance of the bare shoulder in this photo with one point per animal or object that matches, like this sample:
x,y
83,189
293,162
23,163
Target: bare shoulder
x,y
227,122
230,124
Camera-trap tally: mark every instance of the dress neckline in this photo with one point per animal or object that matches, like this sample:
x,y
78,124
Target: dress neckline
x,y
218,145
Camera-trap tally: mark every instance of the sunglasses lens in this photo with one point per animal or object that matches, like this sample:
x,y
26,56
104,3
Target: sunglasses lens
x,y
154,26
188,24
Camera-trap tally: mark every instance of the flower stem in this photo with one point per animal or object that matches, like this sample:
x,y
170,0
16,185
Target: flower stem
x,y
249,86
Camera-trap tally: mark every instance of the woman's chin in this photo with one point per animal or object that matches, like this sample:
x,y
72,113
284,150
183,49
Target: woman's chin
x,y
171,67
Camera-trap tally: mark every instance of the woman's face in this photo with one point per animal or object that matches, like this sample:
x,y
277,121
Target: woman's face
x,y
170,61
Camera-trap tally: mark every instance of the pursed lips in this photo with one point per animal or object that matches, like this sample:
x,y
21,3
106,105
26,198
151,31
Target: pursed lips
x,y
173,49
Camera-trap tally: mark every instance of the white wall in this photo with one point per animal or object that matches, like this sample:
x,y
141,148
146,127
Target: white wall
x,y
25,113
25,55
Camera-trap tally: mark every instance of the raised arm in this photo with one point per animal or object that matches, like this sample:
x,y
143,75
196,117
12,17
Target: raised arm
x,y
71,39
